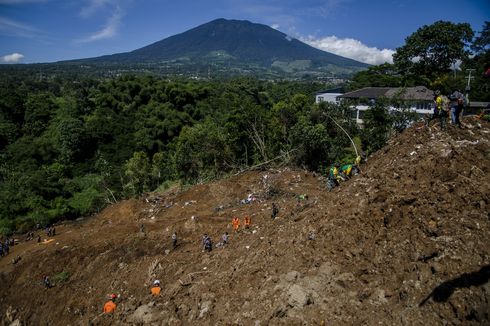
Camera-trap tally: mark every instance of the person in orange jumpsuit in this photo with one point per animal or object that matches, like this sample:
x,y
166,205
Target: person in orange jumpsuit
x,y
110,306
156,288
247,221
236,223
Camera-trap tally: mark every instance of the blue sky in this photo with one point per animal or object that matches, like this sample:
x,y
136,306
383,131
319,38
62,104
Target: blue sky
x,y
365,30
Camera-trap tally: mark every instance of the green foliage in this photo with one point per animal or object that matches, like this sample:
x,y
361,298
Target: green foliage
x,y
68,147
433,49
384,75
86,196
377,126
202,152
137,169
62,277
482,42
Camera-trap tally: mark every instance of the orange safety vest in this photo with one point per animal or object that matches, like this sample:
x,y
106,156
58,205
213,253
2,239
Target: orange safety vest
x,y
247,221
109,307
236,223
156,290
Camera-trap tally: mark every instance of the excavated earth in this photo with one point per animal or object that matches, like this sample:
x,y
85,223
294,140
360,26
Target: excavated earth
x,y
407,242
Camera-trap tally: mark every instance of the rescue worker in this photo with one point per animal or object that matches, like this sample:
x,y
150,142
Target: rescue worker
x,y
208,244
457,104
204,240
174,240
334,173
156,288
275,211
47,282
224,238
442,106
236,223
247,221
6,247
110,306
358,160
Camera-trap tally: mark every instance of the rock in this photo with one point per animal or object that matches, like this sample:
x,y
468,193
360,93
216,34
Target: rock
x,y
144,314
205,308
298,296
379,297
292,276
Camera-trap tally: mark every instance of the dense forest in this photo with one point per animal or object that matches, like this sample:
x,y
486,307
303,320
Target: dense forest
x,y
68,147
73,142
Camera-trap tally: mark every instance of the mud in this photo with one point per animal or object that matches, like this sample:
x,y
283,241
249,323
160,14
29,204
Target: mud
x,y
407,242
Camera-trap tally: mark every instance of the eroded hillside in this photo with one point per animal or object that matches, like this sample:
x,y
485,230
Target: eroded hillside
x,y
405,243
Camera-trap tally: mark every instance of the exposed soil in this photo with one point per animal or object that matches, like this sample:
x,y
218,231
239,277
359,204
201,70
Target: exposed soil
x,y
407,242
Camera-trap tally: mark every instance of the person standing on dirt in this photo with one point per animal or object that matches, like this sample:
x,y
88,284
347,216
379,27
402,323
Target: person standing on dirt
x,y
236,223
442,104
204,240
275,211
47,282
247,221
208,244
6,247
174,240
224,238
457,103
110,306
156,288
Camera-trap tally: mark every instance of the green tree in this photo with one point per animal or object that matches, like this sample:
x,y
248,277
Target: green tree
x,y
137,169
481,43
377,126
385,75
434,49
202,152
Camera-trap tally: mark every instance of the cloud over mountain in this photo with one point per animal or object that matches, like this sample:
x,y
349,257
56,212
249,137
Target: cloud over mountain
x,y
351,48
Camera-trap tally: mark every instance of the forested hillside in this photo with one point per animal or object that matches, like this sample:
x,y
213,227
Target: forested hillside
x,y
69,147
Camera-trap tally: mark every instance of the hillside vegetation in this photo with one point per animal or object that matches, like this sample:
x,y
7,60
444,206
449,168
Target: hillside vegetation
x,y
404,243
69,147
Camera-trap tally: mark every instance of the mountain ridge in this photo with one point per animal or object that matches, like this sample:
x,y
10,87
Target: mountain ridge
x,y
233,43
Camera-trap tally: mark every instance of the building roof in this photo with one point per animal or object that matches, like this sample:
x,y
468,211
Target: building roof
x,y
367,92
411,93
407,93
338,90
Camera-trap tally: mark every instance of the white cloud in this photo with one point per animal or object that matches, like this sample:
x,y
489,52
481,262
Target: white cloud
x,y
109,31
351,48
16,2
275,26
10,27
12,58
93,6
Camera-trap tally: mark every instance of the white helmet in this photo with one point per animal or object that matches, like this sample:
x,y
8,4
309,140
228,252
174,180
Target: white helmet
x,y
156,282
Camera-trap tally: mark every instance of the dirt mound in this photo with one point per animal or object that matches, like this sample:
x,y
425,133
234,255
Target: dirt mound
x,y
406,242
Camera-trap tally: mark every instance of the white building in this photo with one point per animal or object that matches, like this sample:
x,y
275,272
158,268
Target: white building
x,y
419,99
329,95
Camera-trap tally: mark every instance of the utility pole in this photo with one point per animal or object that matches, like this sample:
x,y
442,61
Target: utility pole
x,y
468,88
469,77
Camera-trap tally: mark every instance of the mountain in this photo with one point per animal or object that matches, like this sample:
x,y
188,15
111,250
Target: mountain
x,y
233,45
404,243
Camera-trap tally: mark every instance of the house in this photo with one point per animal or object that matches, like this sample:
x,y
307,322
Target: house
x,y
419,99
329,95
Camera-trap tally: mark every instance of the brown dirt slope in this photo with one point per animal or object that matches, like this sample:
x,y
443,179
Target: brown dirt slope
x,y
405,243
